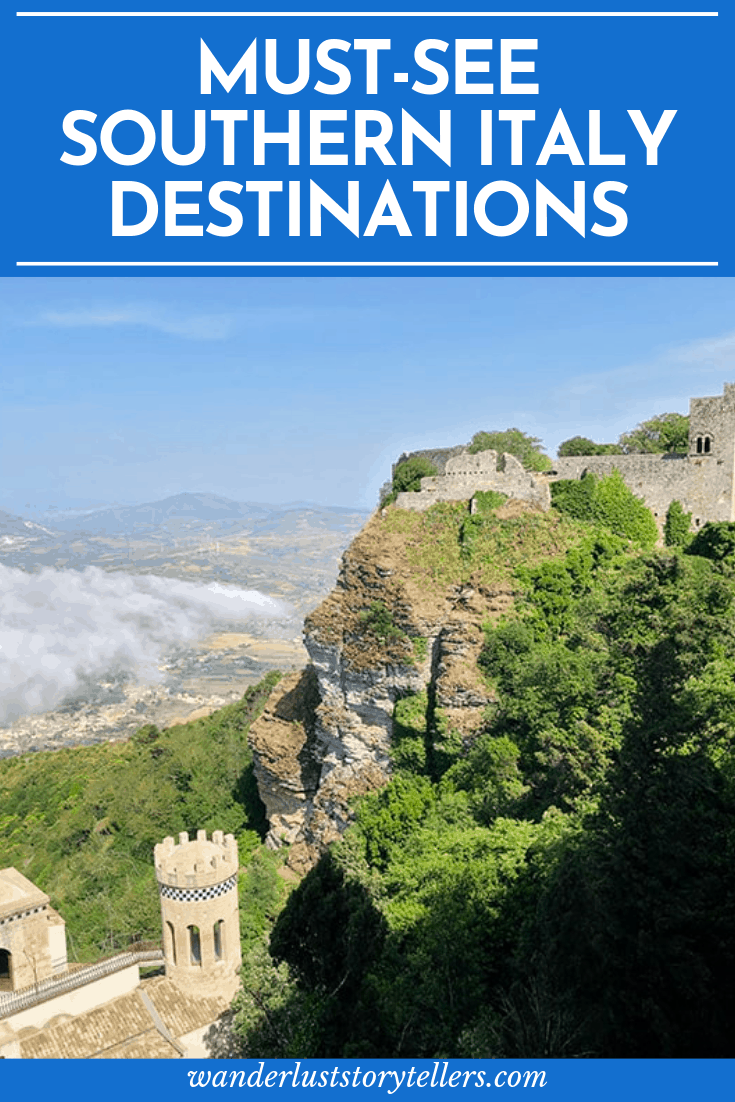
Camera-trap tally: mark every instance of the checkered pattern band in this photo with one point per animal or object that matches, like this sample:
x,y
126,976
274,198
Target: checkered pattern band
x,y
195,895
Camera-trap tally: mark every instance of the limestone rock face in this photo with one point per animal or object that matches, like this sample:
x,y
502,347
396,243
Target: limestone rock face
x,y
381,634
286,770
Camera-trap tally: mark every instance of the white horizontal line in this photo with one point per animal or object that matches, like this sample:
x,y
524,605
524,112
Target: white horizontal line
x,y
382,14
366,263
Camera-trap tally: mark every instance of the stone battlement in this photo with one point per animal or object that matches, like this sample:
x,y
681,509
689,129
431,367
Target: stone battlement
x,y
196,863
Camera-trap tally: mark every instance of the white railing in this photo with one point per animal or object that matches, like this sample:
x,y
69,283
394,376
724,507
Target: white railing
x,y
13,1001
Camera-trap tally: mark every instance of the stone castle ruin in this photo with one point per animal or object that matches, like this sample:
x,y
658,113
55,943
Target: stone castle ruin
x,y
702,480
465,474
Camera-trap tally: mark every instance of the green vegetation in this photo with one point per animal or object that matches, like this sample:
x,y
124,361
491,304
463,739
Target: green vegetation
x,y
677,526
82,823
565,885
524,447
608,502
407,477
487,501
582,445
409,733
445,546
667,432
378,621
715,541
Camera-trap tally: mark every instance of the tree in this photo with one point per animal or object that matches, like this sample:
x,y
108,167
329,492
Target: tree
x,y
715,541
622,512
676,528
575,497
407,477
582,445
634,923
667,432
606,501
524,447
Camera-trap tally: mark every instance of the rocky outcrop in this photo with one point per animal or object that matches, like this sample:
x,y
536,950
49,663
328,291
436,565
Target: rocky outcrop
x,y
286,768
382,634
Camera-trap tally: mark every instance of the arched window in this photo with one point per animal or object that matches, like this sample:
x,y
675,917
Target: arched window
x,y
219,939
172,941
699,445
707,443
6,972
195,945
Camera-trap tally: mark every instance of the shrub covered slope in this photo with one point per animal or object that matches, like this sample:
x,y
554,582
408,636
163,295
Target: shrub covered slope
x,y
564,886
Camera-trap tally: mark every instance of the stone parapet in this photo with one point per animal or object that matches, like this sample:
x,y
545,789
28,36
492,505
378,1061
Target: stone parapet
x,y
196,863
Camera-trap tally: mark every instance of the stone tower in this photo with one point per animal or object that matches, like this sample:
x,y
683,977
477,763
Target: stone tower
x,y
197,881
712,455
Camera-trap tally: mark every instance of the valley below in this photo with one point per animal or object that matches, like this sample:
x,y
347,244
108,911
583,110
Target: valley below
x,y
287,553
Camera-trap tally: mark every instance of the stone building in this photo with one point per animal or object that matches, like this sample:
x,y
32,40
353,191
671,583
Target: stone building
x,y
50,1008
32,934
197,881
702,480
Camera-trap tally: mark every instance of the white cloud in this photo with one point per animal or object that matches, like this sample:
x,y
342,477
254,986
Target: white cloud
x,y
60,627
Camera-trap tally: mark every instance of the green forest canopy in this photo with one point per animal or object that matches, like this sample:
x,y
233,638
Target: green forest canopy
x,y
563,887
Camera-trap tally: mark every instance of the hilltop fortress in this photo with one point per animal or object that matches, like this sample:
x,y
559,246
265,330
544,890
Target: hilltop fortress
x,y
703,480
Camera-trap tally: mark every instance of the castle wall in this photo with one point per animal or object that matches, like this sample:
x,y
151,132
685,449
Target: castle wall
x,y
703,484
658,479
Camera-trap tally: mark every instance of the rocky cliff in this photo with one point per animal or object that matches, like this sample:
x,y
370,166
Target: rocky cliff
x,y
400,621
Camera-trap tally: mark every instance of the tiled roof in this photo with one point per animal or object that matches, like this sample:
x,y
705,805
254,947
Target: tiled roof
x,y
182,1013
17,893
124,1028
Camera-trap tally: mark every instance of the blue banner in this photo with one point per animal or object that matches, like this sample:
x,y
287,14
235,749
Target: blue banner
x,y
551,1080
367,143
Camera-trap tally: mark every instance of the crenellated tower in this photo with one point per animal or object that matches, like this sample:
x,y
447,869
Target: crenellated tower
x,y
197,881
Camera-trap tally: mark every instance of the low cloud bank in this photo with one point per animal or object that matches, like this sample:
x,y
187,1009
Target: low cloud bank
x,y
59,628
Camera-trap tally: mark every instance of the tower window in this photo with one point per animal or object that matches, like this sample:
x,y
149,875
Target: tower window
x,y
5,970
219,939
172,941
195,945
707,443
699,445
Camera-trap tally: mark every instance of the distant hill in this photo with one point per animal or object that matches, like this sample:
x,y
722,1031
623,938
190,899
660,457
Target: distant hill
x,y
14,526
122,519
193,510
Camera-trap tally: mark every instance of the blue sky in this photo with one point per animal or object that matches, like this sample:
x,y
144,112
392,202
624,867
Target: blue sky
x,y
128,390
